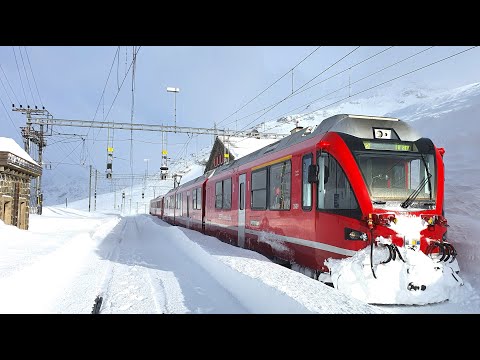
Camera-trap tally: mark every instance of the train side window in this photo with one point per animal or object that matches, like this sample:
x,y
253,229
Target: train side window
x,y
334,189
279,186
194,199
227,193
306,186
199,198
218,195
179,202
259,190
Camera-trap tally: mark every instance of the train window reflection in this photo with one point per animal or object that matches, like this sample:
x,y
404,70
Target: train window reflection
x,y
334,189
279,186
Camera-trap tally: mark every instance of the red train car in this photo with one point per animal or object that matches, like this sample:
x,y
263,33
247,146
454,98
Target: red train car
x,y
326,193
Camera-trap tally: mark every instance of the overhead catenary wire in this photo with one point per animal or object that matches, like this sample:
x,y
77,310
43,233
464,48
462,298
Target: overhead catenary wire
x,y
104,88
352,83
390,80
268,87
18,68
11,120
6,92
298,91
14,94
290,95
33,75
26,75
134,54
116,95
67,156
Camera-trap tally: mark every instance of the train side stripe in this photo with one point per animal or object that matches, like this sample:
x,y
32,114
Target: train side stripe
x,y
288,157
308,243
293,240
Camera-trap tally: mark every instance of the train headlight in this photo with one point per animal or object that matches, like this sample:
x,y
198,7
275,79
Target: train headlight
x,y
382,133
351,234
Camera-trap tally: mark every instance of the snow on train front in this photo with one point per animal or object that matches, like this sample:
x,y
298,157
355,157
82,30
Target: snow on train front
x,y
408,259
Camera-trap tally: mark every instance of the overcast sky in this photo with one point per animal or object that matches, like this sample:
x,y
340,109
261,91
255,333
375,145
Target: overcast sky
x,y
214,82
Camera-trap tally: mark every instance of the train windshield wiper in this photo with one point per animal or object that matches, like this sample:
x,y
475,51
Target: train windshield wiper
x,y
379,202
411,198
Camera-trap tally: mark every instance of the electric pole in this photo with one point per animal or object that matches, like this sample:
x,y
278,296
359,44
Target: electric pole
x,y
95,194
36,137
90,190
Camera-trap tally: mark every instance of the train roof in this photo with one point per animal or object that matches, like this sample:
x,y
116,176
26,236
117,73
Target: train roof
x,y
357,125
295,138
199,179
362,126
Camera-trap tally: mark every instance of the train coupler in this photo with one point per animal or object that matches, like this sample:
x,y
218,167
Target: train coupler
x,y
393,252
446,251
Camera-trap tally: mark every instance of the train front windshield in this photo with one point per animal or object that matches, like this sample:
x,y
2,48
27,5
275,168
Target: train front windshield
x,y
394,176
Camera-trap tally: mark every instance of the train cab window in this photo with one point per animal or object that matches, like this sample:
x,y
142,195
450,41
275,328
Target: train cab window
x,y
227,193
259,189
306,186
279,186
334,189
218,195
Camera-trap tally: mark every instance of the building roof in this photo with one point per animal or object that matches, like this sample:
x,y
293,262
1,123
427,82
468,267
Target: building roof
x,y
14,157
9,145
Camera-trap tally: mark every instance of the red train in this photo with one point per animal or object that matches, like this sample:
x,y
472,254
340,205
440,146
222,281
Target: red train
x,y
322,194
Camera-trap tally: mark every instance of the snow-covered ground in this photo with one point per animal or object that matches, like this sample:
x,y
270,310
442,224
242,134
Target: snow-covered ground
x,y
140,264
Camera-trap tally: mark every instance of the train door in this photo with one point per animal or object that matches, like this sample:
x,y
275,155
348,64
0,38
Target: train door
x,y
241,210
188,210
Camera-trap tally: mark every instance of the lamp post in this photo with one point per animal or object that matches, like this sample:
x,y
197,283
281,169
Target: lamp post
x,y
146,178
175,91
147,160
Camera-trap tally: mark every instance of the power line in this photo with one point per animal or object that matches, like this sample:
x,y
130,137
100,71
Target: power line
x,y
134,55
113,102
21,82
133,109
268,87
105,86
395,78
9,84
117,53
11,120
347,69
287,97
365,77
25,70
297,92
9,98
33,75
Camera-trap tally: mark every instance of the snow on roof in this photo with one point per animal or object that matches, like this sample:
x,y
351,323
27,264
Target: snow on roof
x,y
239,146
9,145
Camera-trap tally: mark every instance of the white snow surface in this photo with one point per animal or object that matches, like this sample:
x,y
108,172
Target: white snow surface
x,y
140,264
240,147
9,145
